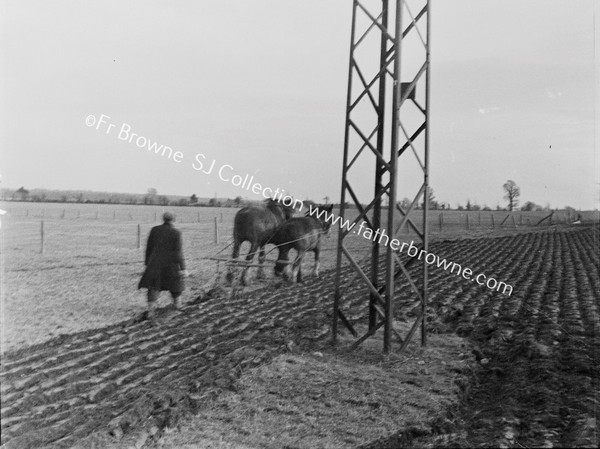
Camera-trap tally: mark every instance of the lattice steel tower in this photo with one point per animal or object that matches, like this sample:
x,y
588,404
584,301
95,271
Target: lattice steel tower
x,y
386,135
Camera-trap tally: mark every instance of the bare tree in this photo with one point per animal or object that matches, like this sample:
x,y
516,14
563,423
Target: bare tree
x,y
513,192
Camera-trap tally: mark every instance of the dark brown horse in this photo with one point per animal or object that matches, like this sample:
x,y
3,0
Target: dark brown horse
x,y
302,234
257,224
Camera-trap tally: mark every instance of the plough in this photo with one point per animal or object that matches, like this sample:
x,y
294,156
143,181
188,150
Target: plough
x,y
237,267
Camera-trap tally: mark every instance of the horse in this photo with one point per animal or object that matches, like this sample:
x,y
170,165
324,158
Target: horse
x,y
302,234
257,224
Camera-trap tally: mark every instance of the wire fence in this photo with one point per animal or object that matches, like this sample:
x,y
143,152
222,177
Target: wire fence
x,y
141,214
49,226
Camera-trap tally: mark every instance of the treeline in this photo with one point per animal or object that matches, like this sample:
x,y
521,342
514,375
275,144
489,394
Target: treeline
x,y
92,197
152,197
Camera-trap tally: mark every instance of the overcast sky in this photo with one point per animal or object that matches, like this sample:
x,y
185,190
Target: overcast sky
x,y
261,86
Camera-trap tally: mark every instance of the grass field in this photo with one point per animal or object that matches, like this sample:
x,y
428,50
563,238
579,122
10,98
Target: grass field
x,y
87,275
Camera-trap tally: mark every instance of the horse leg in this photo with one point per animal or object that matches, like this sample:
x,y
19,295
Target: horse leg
x,y
317,250
249,259
261,260
281,265
297,272
234,255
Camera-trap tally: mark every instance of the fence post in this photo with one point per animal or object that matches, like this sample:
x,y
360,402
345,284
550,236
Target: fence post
x,y
216,231
479,219
493,224
513,220
467,215
441,222
42,237
138,235
221,217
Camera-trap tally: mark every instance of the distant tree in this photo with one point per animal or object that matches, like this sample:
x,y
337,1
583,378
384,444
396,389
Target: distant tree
x,y
163,200
326,199
475,207
513,192
151,196
212,202
468,206
183,202
486,207
405,203
39,198
237,201
460,207
572,213
530,206
433,204
63,198
80,197
193,199
21,194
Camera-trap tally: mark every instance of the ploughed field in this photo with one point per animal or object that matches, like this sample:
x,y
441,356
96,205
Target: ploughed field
x,y
535,382
539,374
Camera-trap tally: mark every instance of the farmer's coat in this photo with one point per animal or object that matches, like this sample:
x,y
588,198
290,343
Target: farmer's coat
x,y
164,260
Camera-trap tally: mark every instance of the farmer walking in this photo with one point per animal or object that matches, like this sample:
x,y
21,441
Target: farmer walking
x,y
165,267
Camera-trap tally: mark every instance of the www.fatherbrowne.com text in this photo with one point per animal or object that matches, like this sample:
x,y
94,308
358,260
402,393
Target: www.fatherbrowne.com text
x,y
226,173
381,237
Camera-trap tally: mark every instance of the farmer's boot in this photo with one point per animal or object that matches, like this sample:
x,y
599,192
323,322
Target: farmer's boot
x,y
177,303
152,298
151,310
